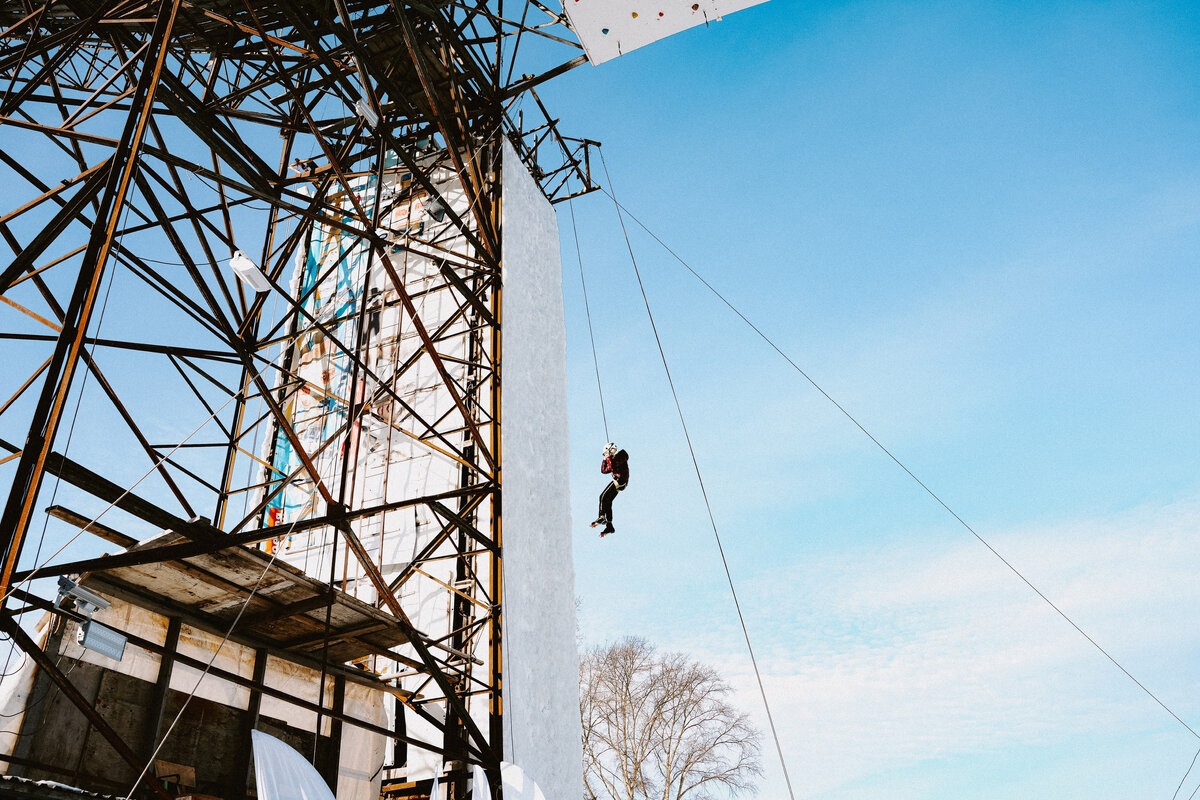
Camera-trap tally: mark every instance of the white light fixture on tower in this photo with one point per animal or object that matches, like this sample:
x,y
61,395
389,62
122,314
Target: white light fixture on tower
x,y
366,112
102,639
92,635
248,272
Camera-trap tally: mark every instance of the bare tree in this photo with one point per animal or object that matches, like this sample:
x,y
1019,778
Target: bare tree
x,y
658,727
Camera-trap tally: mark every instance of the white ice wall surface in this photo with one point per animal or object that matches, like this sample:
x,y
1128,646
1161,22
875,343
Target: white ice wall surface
x,y
541,662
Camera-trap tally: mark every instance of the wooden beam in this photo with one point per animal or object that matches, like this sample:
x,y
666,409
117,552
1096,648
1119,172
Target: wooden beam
x,y
95,528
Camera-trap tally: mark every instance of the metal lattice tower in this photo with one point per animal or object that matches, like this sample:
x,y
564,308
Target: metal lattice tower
x,y
354,142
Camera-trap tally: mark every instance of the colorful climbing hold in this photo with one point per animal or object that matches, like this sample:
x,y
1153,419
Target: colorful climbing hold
x,y
635,15
695,6
604,31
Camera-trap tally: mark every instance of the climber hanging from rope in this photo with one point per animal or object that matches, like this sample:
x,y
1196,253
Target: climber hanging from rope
x,y
615,463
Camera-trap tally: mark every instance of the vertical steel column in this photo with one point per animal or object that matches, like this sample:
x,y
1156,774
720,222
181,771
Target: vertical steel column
x,y
496,577
57,386
241,770
158,705
331,764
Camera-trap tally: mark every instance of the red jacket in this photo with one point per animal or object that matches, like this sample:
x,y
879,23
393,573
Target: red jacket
x,y
618,466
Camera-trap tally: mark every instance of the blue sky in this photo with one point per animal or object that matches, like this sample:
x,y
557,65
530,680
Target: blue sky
x,y
977,229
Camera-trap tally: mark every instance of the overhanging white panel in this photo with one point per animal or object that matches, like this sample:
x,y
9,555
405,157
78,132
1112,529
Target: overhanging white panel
x,y
609,28
541,664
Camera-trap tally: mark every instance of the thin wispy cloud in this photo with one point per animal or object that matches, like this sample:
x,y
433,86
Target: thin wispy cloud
x,y
881,661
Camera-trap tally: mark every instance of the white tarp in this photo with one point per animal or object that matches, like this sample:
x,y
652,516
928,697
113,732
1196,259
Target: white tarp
x,y
339,276
283,774
480,788
16,687
609,28
517,785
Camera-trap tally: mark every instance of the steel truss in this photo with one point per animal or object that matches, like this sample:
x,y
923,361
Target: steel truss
x,y
144,143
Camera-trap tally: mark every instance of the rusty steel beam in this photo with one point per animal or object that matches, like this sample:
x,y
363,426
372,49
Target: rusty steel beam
x,y
296,70
469,177
174,552
27,481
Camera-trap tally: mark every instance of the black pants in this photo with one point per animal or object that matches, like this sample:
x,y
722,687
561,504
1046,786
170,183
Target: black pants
x,y
606,498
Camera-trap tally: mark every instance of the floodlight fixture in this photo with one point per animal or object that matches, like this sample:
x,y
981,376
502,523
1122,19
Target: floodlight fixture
x,y
248,272
437,209
366,112
101,639
86,600
92,635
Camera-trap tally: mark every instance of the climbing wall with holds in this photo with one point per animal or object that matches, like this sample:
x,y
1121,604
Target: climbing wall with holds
x,y
609,28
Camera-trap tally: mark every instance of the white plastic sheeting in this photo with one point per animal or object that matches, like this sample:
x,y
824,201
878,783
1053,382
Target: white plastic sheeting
x,y
280,773
541,663
336,274
390,458
15,690
609,28
517,784
480,787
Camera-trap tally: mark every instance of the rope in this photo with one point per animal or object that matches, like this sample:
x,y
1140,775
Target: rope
x,y
683,423
1185,775
588,312
907,471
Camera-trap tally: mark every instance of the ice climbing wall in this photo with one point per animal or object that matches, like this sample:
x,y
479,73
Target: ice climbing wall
x,y
609,28
541,662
